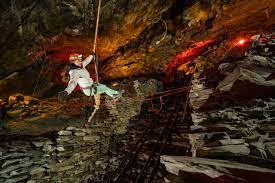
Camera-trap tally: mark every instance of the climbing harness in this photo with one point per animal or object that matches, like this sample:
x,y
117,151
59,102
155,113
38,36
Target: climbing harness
x,y
157,110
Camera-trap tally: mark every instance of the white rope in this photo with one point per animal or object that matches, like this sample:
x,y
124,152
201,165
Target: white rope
x,y
109,4
164,35
95,39
166,28
96,96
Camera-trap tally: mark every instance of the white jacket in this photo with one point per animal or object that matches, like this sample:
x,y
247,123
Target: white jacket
x,y
76,74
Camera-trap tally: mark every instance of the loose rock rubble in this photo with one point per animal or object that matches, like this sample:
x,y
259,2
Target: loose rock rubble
x,y
199,93
72,157
232,135
242,135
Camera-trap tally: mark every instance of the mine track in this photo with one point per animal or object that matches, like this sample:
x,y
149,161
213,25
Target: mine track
x,y
154,141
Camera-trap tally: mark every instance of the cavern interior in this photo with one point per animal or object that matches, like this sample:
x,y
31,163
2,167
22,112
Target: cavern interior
x,y
175,91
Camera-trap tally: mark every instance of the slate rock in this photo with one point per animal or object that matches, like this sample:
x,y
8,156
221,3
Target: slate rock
x,y
270,149
229,150
64,132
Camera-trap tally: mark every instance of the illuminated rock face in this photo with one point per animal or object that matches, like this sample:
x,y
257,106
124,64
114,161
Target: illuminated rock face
x,y
214,20
71,24
135,37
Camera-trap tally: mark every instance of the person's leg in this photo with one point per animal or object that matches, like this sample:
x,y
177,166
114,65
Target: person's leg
x,y
97,105
104,89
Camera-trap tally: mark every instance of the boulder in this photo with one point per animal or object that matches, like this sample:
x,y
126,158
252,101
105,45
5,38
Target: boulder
x,y
270,149
227,150
216,169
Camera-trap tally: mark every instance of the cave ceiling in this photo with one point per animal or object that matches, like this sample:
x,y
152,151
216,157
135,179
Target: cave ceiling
x,y
136,37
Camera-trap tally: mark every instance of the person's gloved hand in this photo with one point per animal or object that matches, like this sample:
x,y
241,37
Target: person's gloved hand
x,y
94,55
62,95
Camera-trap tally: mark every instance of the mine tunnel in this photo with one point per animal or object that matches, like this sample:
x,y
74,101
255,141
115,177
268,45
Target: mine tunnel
x,y
137,91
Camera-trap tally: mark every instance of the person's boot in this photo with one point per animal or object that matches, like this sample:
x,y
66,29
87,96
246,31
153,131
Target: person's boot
x,y
120,93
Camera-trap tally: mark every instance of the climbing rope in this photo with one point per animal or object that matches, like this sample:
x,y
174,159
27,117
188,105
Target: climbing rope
x,y
94,86
164,94
37,81
164,35
157,110
161,95
95,39
109,4
168,92
39,76
166,28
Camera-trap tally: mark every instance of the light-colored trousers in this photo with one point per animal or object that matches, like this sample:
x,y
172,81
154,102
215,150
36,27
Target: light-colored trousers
x,y
86,86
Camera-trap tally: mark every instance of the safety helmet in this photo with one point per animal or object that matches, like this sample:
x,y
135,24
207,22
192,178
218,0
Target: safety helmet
x,y
75,56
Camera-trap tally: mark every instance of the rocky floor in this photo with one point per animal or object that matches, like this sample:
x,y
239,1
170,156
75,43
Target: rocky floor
x,y
241,136
246,130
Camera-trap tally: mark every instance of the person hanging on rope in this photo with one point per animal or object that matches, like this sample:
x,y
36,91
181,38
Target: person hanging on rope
x,y
79,75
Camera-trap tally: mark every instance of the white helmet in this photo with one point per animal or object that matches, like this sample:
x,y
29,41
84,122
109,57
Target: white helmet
x,y
75,56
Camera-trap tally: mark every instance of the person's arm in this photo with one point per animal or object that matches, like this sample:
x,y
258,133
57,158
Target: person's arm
x,y
88,60
72,83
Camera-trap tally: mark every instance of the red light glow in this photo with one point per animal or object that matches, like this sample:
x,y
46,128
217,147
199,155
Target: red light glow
x,y
186,56
241,42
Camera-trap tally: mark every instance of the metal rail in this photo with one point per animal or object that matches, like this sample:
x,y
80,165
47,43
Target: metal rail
x,y
162,139
126,162
164,132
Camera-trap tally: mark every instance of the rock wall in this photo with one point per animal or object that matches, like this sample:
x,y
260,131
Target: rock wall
x,y
61,26
237,130
232,131
75,155
59,148
224,112
135,37
204,20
